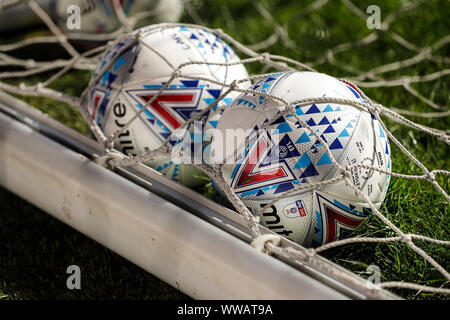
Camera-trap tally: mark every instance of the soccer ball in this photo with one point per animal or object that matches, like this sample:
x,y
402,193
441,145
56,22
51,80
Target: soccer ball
x,y
286,154
136,74
96,16
99,17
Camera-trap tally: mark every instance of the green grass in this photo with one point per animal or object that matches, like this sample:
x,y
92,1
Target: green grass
x,y
36,249
413,206
71,83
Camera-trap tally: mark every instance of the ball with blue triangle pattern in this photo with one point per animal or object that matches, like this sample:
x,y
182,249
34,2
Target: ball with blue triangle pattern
x,y
279,156
137,67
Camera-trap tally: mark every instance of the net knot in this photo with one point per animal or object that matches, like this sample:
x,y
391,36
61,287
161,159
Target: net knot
x,y
176,73
30,63
374,108
61,38
178,135
165,148
180,154
405,81
107,160
234,84
260,242
345,171
330,55
310,252
427,51
265,56
406,238
141,33
430,176
373,286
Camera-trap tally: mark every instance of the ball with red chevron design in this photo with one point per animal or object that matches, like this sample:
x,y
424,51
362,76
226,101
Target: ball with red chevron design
x,y
133,77
287,154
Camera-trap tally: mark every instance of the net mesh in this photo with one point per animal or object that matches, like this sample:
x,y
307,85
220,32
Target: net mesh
x,y
267,64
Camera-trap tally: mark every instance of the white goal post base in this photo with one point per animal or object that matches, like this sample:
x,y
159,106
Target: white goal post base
x,y
190,254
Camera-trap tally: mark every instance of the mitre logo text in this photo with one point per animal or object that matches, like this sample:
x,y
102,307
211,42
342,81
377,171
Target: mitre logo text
x,y
231,146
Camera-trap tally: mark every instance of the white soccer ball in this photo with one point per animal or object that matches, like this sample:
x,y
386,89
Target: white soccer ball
x,y
286,154
129,78
99,17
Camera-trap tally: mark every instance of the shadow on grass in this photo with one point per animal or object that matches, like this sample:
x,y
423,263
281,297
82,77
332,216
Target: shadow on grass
x,y
36,249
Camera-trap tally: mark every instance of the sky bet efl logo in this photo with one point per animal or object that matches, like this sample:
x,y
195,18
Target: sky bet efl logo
x,y
295,209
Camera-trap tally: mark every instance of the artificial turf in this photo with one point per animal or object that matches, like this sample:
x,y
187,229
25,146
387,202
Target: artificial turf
x,y
35,248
